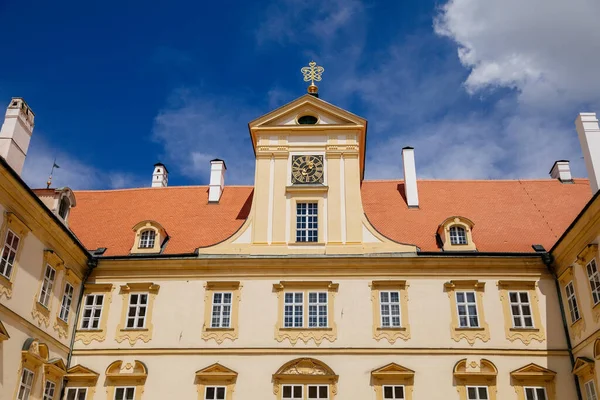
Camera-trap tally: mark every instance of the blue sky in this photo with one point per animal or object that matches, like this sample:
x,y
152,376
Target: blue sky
x,y
481,89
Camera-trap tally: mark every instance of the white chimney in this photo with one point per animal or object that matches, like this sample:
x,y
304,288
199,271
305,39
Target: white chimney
x,y
589,139
160,176
217,180
410,177
561,170
15,133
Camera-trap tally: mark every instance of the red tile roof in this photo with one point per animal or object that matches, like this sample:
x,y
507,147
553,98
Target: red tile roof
x,y
508,216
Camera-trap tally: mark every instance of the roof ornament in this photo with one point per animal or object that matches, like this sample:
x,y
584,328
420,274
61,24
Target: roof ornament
x,y
312,73
54,165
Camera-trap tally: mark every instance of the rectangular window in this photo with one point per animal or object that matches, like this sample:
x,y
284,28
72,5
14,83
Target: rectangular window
x,y
92,310
520,309
307,222
535,393
393,392
590,390
25,385
138,304
318,392
572,301
9,252
221,310
594,277
467,310
214,393
47,285
76,393
292,392
390,309
317,309
293,310
49,390
65,306
477,393
124,393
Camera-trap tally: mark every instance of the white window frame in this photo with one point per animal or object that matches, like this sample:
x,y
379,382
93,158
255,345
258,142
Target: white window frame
x,y
65,304
318,391
572,302
77,391
221,310
477,396
147,239
6,266
93,308
458,235
535,392
305,234
216,387
25,384
138,307
318,306
49,390
594,279
393,392
466,304
47,286
520,304
590,390
125,389
294,304
390,309
292,386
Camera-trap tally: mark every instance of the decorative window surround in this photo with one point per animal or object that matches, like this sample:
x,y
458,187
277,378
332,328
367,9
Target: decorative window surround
x,y
220,334
88,335
473,373
588,259
306,372
160,235
470,334
305,333
443,232
578,327
119,374
133,334
40,312
54,371
216,375
33,356
18,227
60,325
526,335
81,377
393,374
391,333
585,371
532,375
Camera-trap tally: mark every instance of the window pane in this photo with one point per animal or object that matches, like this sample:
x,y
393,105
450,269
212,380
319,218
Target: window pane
x,y
220,393
210,393
388,392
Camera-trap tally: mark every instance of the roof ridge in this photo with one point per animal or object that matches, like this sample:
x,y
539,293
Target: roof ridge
x,y
475,180
154,188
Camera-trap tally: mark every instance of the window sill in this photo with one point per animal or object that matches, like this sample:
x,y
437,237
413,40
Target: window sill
x,y
5,281
90,330
219,329
62,321
469,328
305,329
576,322
306,187
45,307
391,329
306,243
513,329
134,329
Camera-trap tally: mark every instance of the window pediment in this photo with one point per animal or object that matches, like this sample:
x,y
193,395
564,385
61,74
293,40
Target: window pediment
x,y
3,333
392,371
117,371
80,375
305,369
533,372
583,366
216,373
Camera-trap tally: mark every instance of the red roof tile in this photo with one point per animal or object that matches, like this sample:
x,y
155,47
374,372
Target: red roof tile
x,y
509,216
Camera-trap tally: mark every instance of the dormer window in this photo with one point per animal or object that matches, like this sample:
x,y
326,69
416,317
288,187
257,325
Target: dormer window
x,y
147,239
455,234
458,235
64,207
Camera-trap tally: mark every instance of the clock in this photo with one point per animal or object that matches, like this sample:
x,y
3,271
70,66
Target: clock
x,y
307,169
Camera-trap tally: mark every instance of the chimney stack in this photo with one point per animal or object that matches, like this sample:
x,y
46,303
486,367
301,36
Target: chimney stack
x,y
160,177
410,177
561,170
217,180
15,133
589,138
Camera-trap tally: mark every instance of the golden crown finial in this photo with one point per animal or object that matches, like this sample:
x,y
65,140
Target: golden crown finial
x,y
312,73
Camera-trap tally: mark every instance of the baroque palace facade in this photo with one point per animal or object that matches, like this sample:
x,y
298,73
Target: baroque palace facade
x,y
311,284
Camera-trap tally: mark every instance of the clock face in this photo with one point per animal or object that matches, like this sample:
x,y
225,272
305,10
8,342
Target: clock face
x,y
307,169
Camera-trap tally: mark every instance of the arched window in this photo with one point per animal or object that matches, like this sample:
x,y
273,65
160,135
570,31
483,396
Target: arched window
x,y
147,239
63,209
458,235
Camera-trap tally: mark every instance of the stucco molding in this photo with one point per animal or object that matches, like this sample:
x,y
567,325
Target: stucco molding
x,y
391,334
215,375
80,376
126,374
133,335
457,333
525,335
221,334
18,227
87,336
475,373
306,334
305,371
533,375
393,374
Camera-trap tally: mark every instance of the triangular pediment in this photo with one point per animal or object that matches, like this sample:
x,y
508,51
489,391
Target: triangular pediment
x,y
3,332
326,114
532,369
391,369
216,369
81,370
59,363
582,364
